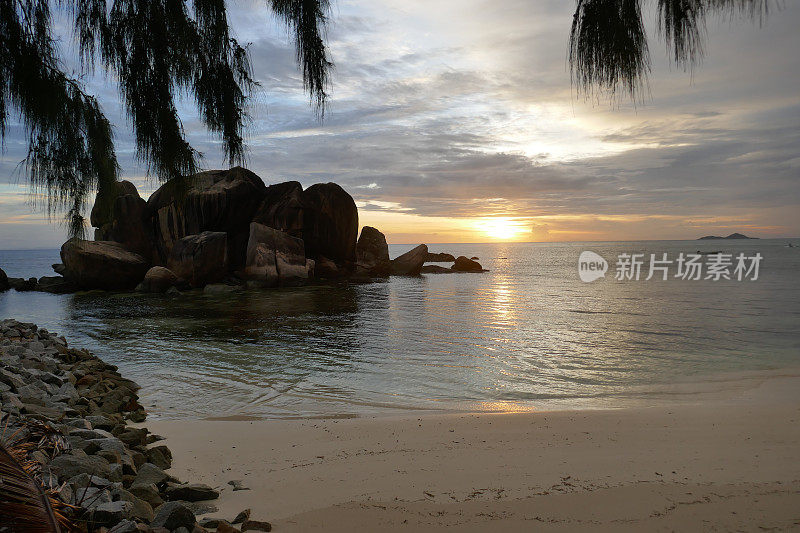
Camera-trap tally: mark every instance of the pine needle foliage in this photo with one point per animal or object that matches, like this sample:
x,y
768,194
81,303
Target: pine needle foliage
x,y
155,51
608,46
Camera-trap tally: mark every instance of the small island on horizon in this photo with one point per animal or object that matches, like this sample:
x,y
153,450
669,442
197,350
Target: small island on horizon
x,y
731,236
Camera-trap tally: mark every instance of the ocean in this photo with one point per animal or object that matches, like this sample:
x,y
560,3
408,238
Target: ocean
x,y
528,334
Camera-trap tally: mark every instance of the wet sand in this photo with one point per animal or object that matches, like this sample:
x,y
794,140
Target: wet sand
x,y
729,461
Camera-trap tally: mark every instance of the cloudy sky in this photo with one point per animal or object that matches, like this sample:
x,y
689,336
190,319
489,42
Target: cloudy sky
x,y
454,121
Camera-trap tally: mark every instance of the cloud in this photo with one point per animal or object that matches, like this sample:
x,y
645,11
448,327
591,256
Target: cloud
x,y
451,110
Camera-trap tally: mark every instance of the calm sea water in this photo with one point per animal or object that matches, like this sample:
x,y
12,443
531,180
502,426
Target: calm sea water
x,y
528,334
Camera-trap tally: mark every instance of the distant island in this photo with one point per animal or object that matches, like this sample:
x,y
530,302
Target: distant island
x,y
731,236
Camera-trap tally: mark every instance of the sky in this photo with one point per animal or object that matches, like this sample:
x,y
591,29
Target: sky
x,y
455,121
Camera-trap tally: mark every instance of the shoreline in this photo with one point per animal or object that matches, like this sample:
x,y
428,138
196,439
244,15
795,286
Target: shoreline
x,y
715,387
731,462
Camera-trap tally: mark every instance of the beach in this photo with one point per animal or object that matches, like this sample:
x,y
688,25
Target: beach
x,y
724,459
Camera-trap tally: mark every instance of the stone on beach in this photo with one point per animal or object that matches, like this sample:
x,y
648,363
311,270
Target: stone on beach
x,y
256,525
173,515
89,458
191,492
411,262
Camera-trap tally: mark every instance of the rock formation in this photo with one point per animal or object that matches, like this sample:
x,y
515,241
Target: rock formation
x,y
372,254
158,279
274,257
102,265
410,263
216,200
200,259
439,258
227,226
4,284
123,218
463,264
324,216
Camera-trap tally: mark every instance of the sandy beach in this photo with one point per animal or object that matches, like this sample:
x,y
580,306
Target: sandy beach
x,y
724,461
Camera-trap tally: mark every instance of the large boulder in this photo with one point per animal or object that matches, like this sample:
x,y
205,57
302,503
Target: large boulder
x,y
200,259
56,285
442,257
123,218
410,263
102,265
4,285
372,253
216,200
158,279
463,264
104,202
274,257
324,216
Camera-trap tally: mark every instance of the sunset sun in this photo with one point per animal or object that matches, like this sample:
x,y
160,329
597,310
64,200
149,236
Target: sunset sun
x,y
502,229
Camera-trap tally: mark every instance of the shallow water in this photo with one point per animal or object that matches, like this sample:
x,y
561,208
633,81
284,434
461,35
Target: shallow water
x,y
528,334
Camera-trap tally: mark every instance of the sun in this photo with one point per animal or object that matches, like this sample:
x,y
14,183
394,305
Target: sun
x,y
502,229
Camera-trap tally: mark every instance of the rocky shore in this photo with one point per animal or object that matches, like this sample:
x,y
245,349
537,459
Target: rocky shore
x,y
75,421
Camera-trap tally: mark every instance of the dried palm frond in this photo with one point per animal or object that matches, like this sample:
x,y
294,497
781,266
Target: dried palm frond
x,y
24,505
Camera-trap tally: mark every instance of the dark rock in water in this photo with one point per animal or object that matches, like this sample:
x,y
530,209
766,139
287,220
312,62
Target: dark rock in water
x,y
200,259
4,284
56,285
410,263
124,219
436,269
441,257
173,515
217,200
221,288
158,279
59,268
463,264
191,492
372,253
274,257
22,284
332,228
327,269
324,216
102,265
